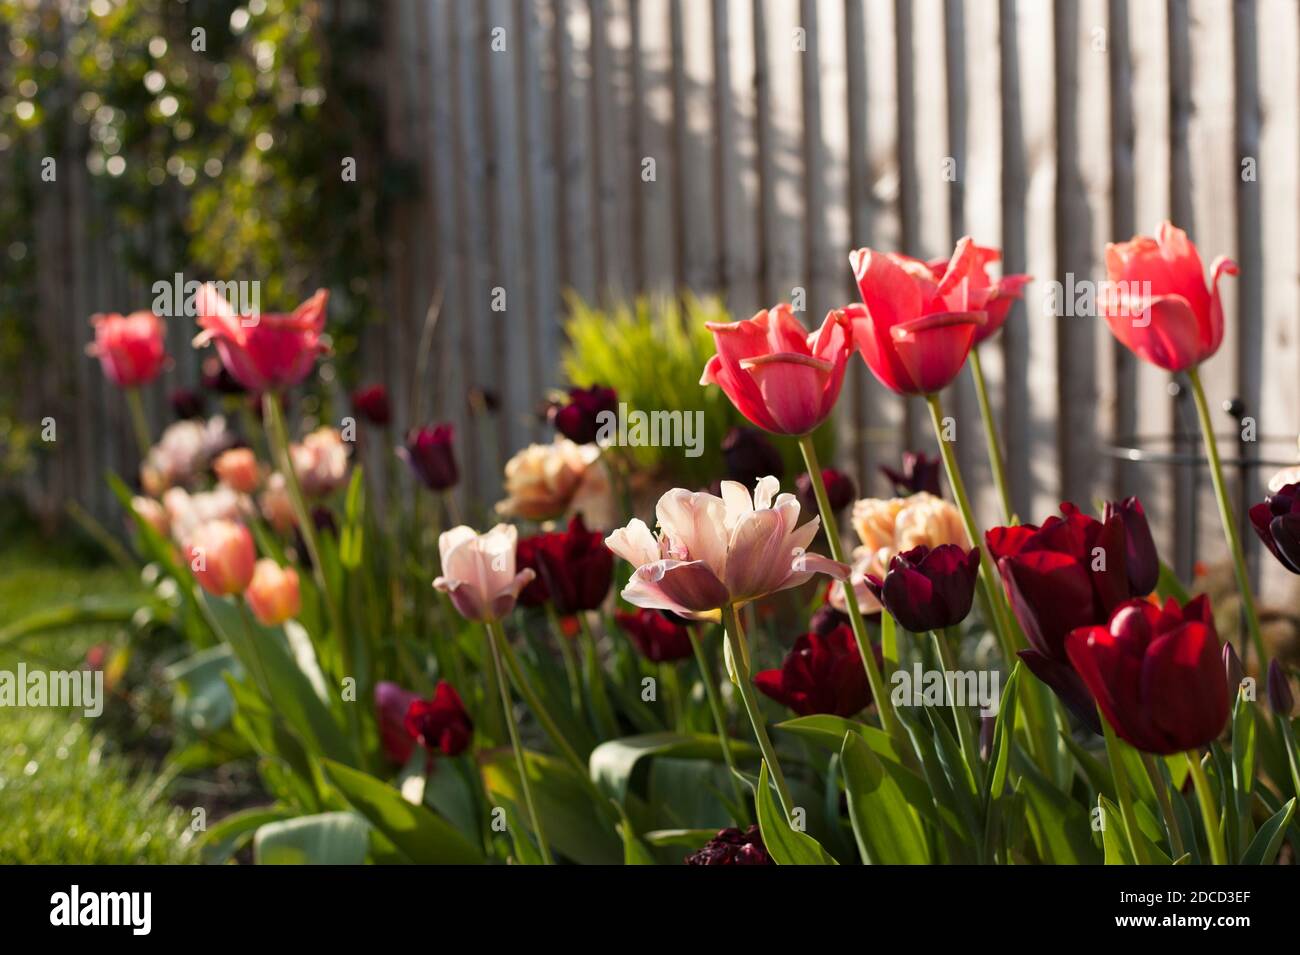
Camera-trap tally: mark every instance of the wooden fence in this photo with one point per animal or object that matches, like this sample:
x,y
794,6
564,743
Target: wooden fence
x,y
784,133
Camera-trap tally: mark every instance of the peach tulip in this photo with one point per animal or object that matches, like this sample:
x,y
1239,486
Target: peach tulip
x,y
273,593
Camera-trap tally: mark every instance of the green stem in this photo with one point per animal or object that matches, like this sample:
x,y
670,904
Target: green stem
x,y
719,719
569,660
888,718
495,636
1229,522
539,711
1137,845
1209,811
1166,807
991,437
254,648
966,733
601,712
139,421
735,638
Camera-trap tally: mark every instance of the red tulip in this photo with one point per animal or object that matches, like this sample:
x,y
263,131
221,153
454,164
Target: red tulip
x,y
1277,522
929,589
391,705
371,403
732,847
579,419
1000,296
129,347
840,490
820,674
574,566
920,472
776,374
915,332
440,724
659,639
269,352
1158,305
1156,673
431,455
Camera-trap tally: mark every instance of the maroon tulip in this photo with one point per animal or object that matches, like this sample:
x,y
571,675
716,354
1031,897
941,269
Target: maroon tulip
x,y
371,403
1277,522
440,724
827,618
430,455
579,419
1280,698
391,704
920,472
535,594
749,455
927,589
1233,668
658,639
186,403
1156,673
840,490
1071,572
732,847
1142,563
575,565
820,674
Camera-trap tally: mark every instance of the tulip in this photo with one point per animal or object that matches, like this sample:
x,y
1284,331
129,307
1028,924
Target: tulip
x,y
732,847
915,332
371,404
535,594
1159,305
478,571
1277,522
221,554
186,403
1141,561
575,567
929,589
580,418
1280,698
430,455
129,347
187,512
440,723
276,505
998,297
657,638
776,374
543,481
391,706
320,461
748,455
840,490
920,472
183,453
715,551
820,674
273,594
152,513
238,470
268,352
1156,673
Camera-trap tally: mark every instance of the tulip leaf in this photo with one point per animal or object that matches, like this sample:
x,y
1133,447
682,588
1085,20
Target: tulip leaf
x,y
1114,835
1243,766
679,838
886,827
1003,739
784,844
1059,825
613,762
1263,848
422,835
352,535
1168,585
634,850
330,838
223,839
827,730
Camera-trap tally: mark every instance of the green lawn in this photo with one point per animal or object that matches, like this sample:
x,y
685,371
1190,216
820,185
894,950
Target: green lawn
x,y
68,792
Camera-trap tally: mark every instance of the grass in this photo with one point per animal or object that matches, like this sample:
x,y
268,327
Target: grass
x,y
68,794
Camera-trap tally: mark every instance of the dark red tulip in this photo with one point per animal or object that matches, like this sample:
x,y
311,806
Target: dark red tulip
x,y
431,457
440,724
840,490
575,564
659,639
920,472
827,618
371,403
391,704
1233,668
749,455
732,847
1277,522
1156,673
535,593
579,419
928,589
822,673
1280,698
1142,563
186,403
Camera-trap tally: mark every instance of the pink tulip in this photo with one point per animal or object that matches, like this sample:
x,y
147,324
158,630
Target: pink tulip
x,y
998,295
478,571
713,551
273,593
221,554
129,347
776,374
268,352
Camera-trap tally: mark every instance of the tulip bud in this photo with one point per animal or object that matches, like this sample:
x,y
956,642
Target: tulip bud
x,y
987,726
1141,561
221,555
840,491
273,594
371,403
1280,699
440,724
749,455
237,469
1232,666
919,473
580,418
430,455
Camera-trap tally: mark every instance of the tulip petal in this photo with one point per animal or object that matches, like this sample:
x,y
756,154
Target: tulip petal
x,y
689,588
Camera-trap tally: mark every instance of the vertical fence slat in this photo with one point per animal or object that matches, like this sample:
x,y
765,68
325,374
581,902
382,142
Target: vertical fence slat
x,y
737,154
